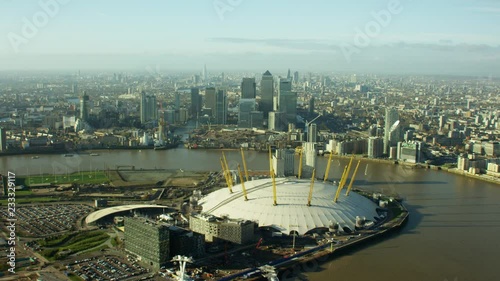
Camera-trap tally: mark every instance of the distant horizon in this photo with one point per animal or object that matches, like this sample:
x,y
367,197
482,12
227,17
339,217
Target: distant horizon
x,y
217,72
450,37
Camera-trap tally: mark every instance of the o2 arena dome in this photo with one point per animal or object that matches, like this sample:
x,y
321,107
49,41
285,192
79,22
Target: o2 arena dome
x,y
292,212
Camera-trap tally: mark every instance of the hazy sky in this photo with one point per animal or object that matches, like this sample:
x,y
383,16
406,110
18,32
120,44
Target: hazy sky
x,y
421,36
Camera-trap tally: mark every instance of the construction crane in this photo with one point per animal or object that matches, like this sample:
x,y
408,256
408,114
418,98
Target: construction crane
x,y
225,175
311,189
228,172
244,164
328,166
352,179
242,183
300,162
309,123
340,184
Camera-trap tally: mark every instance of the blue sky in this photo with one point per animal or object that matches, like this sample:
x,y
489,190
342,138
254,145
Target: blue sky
x,y
423,36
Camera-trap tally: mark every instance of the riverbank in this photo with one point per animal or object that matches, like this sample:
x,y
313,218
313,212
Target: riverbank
x,y
375,160
309,260
327,252
85,150
482,177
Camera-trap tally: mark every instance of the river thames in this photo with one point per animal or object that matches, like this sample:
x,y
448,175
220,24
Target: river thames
x,y
452,233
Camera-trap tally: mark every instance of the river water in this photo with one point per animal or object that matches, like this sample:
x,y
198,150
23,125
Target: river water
x,y
452,233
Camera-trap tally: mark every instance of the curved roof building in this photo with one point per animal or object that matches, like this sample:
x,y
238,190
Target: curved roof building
x,y
292,212
100,214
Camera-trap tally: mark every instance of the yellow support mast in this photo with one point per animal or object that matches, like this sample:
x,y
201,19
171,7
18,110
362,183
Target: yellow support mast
x,y
270,161
242,183
229,177
337,193
311,189
244,164
347,174
352,179
300,162
327,171
271,173
274,189
225,175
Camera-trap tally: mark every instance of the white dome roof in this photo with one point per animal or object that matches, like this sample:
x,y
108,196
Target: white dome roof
x,y
292,212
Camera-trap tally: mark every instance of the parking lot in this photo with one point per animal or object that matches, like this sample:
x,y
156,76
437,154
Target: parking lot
x,y
46,220
108,268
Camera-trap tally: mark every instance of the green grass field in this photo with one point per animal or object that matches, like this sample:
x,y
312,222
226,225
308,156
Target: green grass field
x,y
73,277
23,192
32,200
81,178
75,243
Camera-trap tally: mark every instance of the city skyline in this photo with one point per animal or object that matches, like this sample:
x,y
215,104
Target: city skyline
x,y
233,139
320,36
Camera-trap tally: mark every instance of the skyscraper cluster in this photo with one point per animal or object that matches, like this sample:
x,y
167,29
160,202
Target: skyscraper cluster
x,y
278,108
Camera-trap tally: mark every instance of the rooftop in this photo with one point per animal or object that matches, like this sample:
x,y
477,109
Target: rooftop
x,y
97,215
292,212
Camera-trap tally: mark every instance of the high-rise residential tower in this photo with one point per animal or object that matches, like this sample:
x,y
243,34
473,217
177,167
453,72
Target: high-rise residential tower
x,y
287,100
266,93
246,107
248,88
148,108
84,110
3,140
177,101
210,100
391,136
195,101
311,105
312,133
220,107
204,73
